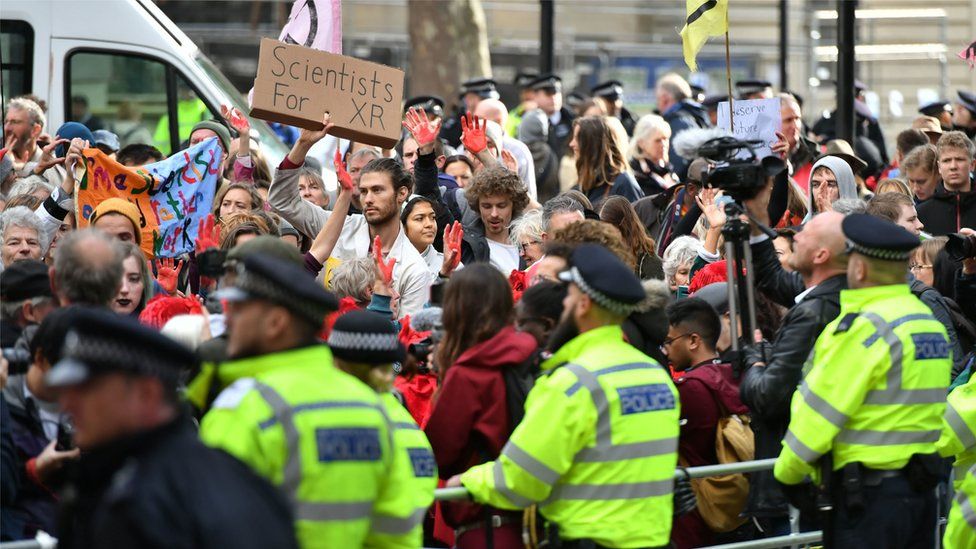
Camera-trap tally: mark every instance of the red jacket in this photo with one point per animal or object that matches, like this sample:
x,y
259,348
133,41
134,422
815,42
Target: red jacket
x,y
469,423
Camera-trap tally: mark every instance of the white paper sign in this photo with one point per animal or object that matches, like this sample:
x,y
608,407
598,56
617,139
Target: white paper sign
x,y
755,120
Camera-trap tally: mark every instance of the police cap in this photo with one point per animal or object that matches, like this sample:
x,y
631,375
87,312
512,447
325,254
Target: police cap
x,y
611,89
878,238
100,342
431,104
748,87
604,277
366,337
283,283
524,78
936,108
711,101
485,88
25,279
968,100
547,81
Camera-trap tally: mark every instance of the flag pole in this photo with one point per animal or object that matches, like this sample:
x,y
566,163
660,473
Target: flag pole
x,y
728,69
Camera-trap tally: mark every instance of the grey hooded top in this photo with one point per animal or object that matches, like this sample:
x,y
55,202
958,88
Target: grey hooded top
x,y
845,181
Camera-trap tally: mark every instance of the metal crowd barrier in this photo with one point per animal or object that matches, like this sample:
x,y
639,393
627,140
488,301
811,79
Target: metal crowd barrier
x,y
792,540
452,494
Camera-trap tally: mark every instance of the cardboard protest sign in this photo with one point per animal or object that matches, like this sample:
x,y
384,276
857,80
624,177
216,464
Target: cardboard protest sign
x,y
172,195
754,120
297,85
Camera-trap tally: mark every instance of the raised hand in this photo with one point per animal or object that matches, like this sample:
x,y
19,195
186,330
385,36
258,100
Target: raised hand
x,y
208,234
424,131
781,147
236,119
713,213
385,267
345,180
473,134
453,235
167,273
310,137
48,160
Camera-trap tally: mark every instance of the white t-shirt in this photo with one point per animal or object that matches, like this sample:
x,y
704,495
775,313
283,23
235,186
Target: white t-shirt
x,y
504,257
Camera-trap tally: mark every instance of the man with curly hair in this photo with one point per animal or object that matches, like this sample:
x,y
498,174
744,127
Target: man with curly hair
x,y
498,196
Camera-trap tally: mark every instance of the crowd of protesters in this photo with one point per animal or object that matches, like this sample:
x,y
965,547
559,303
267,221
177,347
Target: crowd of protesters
x,y
437,297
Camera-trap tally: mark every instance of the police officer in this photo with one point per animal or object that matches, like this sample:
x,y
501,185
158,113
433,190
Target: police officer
x,y
365,345
869,410
526,101
431,104
612,93
604,477
754,89
548,95
940,110
961,530
317,433
144,478
472,92
959,430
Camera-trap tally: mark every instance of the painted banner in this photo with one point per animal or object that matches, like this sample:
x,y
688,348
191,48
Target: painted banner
x,y
315,24
172,195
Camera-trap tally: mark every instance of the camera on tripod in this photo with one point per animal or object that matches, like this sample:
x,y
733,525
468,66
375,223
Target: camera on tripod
x,y
735,167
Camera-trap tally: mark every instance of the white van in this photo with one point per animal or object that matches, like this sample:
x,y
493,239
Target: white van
x,y
117,64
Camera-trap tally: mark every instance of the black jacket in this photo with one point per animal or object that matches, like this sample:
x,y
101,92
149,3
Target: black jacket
x,y
560,134
164,489
940,310
946,212
767,390
684,115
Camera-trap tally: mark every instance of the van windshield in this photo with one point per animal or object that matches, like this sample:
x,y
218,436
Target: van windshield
x,y
274,150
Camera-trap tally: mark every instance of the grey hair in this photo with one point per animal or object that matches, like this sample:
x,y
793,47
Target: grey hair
x,y
647,126
559,204
352,278
849,206
312,173
30,184
20,216
675,86
528,225
83,277
680,251
10,309
370,152
34,110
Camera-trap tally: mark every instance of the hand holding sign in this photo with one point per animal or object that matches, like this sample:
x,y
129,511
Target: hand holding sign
x,y
314,136
345,180
424,131
453,235
473,134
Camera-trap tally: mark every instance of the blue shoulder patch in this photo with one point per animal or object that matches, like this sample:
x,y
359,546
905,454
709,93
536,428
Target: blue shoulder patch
x,y
933,345
423,462
645,398
348,444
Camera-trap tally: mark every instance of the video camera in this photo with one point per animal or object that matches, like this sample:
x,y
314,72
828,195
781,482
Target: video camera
x,y
740,177
961,246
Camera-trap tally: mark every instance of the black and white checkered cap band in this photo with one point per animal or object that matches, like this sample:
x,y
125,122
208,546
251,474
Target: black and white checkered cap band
x,y
889,255
359,341
254,283
102,354
603,300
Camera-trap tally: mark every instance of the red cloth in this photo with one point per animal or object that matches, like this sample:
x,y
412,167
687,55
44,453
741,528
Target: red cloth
x,y
161,308
287,164
469,423
700,390
802,174
418,395
709,274
519,281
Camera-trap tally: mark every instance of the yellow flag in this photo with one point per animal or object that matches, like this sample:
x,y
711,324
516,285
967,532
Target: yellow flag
x,y
705,18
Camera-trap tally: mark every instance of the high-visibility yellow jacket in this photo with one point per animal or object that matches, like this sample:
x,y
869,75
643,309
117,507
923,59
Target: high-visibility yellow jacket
x,y
874,389
597,448
959,429
961,530
319,434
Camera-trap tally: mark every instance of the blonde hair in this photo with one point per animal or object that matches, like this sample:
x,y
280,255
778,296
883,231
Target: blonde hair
x,y
648,126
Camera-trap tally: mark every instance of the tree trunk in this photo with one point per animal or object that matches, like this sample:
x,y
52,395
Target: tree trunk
x,y
448,44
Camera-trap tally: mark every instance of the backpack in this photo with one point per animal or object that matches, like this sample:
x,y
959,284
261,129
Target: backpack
x,y
519,380
721,499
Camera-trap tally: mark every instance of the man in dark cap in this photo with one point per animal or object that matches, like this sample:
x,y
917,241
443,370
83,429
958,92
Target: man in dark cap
x,y
365,345
526,101
612,94
548,95
867,130
145,479
754,89
431,104
942,110
317,433
869,410
710,104
25,298
473,91
617,407
964,117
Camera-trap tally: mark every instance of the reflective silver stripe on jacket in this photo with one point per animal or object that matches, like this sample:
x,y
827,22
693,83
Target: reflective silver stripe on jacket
x,y
799,448
893,392
534,467
963,432
966,507
502,487
629,490
292,475
397,525
887,438
587,379
822,407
